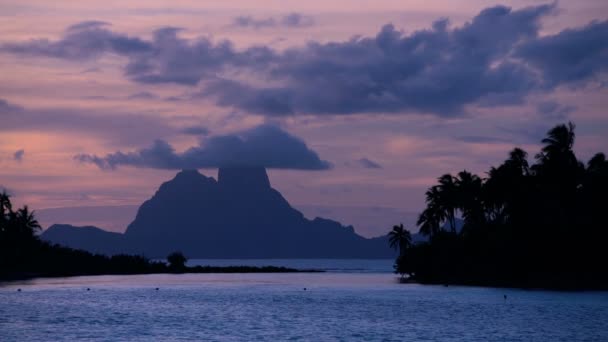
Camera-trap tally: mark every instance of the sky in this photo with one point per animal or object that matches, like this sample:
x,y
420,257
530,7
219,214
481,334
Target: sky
x,y
355,107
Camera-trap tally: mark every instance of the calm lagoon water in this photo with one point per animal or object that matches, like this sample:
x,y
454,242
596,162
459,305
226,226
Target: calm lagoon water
x,y
355,300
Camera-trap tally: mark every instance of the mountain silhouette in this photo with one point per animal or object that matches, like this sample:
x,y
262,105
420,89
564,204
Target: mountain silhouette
x,y
238,216
89,238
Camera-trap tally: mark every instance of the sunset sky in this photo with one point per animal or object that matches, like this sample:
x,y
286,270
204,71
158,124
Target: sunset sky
x,y
356,107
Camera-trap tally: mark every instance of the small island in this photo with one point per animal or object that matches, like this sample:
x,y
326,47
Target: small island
x,y
23,255
531,226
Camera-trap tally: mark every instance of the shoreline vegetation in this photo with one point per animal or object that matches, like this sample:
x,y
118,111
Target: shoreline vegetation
x,y
23,255
539,226
163,269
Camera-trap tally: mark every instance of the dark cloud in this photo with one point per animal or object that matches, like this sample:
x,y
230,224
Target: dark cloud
x,y
195,130
437,70
18,155
88,25
176,60
369,164
573,55
6,107
82,41
268,101
497,58
248,21
297,20
293,20
266,146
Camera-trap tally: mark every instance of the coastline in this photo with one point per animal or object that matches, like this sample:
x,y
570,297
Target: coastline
x,y
187,270
531,286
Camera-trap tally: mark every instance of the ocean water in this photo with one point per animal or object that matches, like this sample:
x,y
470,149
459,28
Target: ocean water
x,y
355,300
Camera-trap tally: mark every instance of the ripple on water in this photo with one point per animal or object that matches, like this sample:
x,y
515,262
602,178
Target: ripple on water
x,y
257,307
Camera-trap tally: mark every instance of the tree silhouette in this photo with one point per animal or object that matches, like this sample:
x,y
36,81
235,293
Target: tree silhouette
x,y
26,221
23,255
448,199
468,198
524,225
177,261
432,218
399,238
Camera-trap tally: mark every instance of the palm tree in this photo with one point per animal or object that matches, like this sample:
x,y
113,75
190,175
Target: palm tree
x,y
26,222
518,160
559,140
557,159
5,204
431,218
468,192
428,222
448,199
400,238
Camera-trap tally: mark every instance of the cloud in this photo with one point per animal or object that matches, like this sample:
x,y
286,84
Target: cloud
x,y
266,101
497,58
554,111
292,20
85,40
195,130
118,127
369,164
297,20
18,155
265,145
248,21
6,107
573,55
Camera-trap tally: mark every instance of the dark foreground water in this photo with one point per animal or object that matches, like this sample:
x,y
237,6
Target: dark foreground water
x,y
354,301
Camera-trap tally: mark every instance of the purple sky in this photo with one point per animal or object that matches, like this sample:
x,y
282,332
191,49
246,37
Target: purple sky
x,y
356,106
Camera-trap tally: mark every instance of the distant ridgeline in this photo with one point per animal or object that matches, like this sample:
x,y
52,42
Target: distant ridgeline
x,y
540,225
238,216
23,255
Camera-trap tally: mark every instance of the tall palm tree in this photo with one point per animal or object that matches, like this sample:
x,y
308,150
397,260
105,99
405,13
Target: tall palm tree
x,y
468,192
518,161
26,222
557,157
433,216
429,222
5,212
400,238
560,139
448,199
5,204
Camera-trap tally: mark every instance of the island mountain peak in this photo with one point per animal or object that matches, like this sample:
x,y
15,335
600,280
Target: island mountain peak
x,y
238,216
243,177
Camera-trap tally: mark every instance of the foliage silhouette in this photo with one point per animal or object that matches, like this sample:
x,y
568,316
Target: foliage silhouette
x,y
177,261
540,225
24,255
401,239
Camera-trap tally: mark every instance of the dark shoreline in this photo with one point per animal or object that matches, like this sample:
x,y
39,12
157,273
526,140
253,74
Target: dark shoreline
x,y
187,270
559,287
